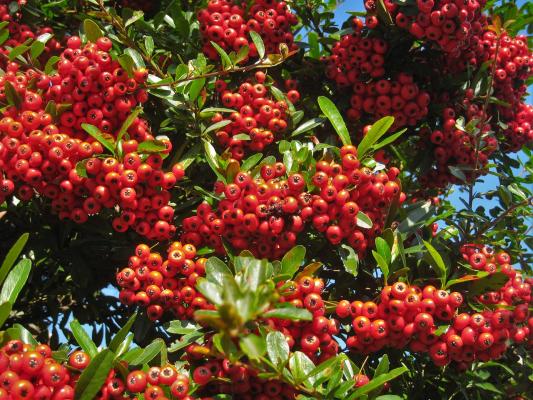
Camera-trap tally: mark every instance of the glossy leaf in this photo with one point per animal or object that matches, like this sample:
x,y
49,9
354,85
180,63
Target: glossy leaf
x,y
94,376
350,259
293,260
437,262
95,133
329,109
253,346
83,339
375,133
15,281
259,45
290,313
150,352
92,30
12,255
122,333
277,349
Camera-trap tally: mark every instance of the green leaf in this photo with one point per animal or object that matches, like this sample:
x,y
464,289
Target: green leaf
x,y
212,159
182,327
383,249
217,272
256,273
196,87
184,341
293,260
136,57
13,97
251,162
137,15
314,49
383,265
149,45
332,113
127,123
363,221
277,349
210,290
259,45
419,213
217,126
4,35
300,366
95,133
150,352
437,262
226,61
373,135
379,381
253,346
308,125
50,65
391,139
383,366
350,259
18,51
126,62
5,310
291,313
389,397
15,281
92,30
36,49
94,376
81,169
151,146
21,333
488,283
12,255
122,333
83,339
241,54
487,386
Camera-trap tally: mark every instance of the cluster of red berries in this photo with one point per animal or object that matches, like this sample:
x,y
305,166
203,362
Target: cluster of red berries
x,y
453,146
99,89
28,372
515,292
408,316
519,130
156,383
228,24
359,62
266,214
163,284
356,58
446,24
216,376
514,66
314,338
259,117
400,97
405,314
39,155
